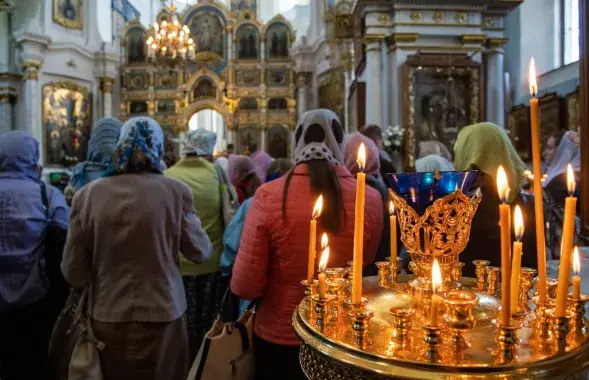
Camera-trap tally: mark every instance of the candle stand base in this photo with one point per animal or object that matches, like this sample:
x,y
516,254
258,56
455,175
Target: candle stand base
x,y
526,275
383,273
578,327
506,340
560,329
493,274
402,322
432,340
394,267
361,317
321,309
481,272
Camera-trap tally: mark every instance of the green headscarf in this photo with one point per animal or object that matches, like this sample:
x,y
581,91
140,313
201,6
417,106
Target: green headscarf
x,y
486,146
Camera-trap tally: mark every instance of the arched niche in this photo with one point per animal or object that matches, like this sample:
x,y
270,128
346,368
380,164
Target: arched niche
x,y
247,41
278,36
278,141
208,28
135,47
204,88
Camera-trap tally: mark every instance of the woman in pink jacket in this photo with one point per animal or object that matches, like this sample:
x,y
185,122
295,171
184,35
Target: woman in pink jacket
x,y
273,255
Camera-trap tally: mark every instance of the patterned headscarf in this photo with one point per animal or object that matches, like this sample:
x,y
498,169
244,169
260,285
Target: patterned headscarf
x,y
239,168
262,161
486,146
319,136
101,146
200,142
140,148
567,152
351,154
19,155
433,162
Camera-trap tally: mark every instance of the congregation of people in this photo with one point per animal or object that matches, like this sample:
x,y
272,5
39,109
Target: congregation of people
x,y
161,242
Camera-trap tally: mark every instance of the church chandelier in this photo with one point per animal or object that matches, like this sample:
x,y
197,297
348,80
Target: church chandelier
x,y
170,41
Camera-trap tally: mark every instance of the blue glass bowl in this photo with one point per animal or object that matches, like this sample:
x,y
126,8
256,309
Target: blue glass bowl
x,y
420,190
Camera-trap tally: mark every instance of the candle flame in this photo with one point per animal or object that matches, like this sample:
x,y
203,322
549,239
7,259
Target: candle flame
x,y
318,207
518,223
391,208
324,241
436,276
576,261
502,185
570,180
324,258
532,79
361,157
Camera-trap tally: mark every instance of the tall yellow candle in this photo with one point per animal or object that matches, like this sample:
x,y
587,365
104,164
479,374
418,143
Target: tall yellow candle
x,y
313,239
537,171
518,226
436,299
577,276
321,270
505,224
359,228
393,233
566,253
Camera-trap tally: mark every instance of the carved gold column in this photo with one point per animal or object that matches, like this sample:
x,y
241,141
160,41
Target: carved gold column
x,y
374,81
33,122
495,93
106,86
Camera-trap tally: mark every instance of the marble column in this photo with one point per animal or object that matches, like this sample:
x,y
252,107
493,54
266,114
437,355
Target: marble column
x,y
32,102
6,113
394,86
303,81
106,86
384,87
6,11
495,84
262,146
373,83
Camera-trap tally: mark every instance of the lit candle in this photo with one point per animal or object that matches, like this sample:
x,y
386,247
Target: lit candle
x,y
393,233
321,270
568,233
505,224
313,239
577,276
436,282
538,201
359,228
518,226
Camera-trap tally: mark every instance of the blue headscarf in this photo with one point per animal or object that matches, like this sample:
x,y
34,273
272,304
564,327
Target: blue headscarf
x,y
140,148
19,155
101,146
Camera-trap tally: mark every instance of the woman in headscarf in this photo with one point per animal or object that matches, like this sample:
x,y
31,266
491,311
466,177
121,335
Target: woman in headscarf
x,y
28,308
373,180
262,161
432,163
101,146
274,249
484,147
429,147
243,174
126,234
567,152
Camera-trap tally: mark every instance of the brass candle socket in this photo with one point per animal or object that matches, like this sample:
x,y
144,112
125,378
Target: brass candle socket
x,y
394,268
360,321
333,274
384,272
432,340
481,272
321,305
542,332
551,287
336,288
402,323
493,274
560,329
526,284
310,289
577,308
457,271
458,316
506,340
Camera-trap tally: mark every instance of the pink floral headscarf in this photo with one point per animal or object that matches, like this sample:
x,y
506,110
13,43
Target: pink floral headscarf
x,y
351,154
239,168
262,161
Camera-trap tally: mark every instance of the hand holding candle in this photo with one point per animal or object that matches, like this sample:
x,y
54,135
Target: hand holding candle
x,y
436,283
359,228
577,276
505,224
568,233
322,266
518,226
313,239
393,232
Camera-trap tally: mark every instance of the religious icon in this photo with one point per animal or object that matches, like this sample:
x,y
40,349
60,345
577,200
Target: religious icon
x,y
205,89
247,142
208,31
69,13
277,77
138,107
277,41
278,142
277,104
247,37
136,45
166,106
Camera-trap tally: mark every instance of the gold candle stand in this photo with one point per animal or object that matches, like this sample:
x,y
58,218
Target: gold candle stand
x,y
506,341
493,274
321,306
481,272
459,318
384,272
402,322
310,289
394,269
578,326
360,320
457,271
526,284
542,332
560,329
432,341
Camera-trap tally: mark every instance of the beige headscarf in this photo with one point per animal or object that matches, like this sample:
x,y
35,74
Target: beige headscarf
x,y
486,146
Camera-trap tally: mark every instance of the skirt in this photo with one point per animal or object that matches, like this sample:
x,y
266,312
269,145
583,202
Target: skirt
x,y
143,350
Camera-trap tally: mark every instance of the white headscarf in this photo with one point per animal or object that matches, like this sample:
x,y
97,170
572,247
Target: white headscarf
x,y
433,162
319,136
567,152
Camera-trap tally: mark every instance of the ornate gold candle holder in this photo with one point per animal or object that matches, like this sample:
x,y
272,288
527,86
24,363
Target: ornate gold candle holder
x,y
458,317
321,305
551,287
493,274
432,340
560,329
457,271
520,317
506,340
395,267
526,284
360,319
336,288
333,274
481,272
383,273
577,308
310,289
542,333
402,322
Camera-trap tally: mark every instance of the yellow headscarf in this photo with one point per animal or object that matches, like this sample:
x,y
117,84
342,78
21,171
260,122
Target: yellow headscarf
x,y
487,146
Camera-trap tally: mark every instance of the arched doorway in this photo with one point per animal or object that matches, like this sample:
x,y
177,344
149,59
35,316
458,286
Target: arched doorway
x,y
211,120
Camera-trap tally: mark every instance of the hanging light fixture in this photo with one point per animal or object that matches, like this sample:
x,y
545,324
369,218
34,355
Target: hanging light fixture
x,y
170,41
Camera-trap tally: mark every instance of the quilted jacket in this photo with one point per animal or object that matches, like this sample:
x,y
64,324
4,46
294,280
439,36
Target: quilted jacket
x,y
273,254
